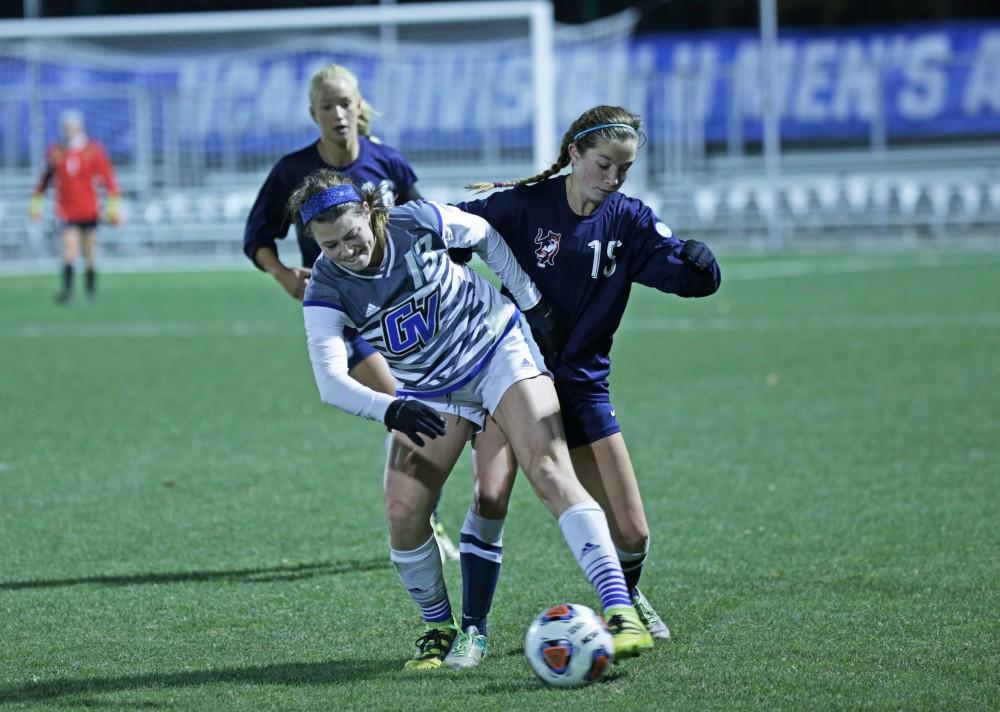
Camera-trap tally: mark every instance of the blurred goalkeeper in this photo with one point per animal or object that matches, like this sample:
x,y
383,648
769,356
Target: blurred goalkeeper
x,y
345,145
76,163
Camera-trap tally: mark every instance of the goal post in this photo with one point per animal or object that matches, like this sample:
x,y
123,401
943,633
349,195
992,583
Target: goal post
x,y
474,46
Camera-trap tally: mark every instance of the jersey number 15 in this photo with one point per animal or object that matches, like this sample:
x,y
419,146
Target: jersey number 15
x,y
595,245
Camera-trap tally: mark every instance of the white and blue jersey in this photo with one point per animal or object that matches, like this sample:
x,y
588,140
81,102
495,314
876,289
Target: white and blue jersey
x,y
436,322
585,265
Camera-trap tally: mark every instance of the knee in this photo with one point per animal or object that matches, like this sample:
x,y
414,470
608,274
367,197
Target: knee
x,y
489,501
491,491
631,537
403,516
635,541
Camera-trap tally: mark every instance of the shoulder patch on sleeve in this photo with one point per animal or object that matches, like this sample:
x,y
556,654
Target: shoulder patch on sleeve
x,y
663,230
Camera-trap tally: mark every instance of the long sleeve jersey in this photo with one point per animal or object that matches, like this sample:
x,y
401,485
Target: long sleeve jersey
x,y
76,168
436,322
586,265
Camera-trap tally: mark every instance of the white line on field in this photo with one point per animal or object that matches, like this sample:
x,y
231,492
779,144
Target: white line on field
x,y
151,329
990,320
186,330
849,264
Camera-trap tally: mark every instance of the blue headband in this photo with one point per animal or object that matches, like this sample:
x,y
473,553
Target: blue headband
x,y
330,197
604,126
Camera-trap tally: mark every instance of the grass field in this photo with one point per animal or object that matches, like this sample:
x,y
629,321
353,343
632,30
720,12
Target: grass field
x,y
185,526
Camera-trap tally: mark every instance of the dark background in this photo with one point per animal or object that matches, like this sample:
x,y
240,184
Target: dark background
x,y
657,15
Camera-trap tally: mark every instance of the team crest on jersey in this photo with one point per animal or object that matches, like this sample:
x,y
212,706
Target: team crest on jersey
x,y
548,247
412,324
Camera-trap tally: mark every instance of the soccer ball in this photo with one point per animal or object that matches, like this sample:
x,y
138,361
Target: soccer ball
x,y
568,646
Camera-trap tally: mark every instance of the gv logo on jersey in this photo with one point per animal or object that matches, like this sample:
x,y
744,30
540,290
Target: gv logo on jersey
x,y
412,324
548,247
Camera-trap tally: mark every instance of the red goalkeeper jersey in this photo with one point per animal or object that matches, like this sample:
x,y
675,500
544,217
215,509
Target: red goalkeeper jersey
x,y
75,169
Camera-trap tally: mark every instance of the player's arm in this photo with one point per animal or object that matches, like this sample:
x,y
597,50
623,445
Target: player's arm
x,y
325,338
35,207
106,172
466,230
292,279
267,221
686,268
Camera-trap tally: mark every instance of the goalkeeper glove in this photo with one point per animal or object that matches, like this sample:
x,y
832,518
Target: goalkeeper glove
x,y
35,207
413,419
113,210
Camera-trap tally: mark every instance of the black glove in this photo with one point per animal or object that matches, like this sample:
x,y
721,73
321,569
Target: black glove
x,y
697,255
547,329
413,419
460,255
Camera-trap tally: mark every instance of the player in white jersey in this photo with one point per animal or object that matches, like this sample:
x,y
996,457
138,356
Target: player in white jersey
x,y
460,351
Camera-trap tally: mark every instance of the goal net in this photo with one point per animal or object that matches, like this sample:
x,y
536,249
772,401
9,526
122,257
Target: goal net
x,y
194,109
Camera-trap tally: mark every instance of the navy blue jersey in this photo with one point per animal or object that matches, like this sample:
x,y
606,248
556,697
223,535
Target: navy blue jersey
x,y
586,266
269,221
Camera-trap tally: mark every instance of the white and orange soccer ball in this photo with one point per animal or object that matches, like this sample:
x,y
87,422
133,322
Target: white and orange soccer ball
x,y
568,645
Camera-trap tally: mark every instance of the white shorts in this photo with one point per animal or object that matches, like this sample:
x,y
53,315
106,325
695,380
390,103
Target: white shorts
x,y
516,358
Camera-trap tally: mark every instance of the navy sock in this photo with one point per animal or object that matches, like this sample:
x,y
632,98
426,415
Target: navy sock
x,y
632,566
481,554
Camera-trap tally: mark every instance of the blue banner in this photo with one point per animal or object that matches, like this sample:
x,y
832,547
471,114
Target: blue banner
x,y
917,82
927,81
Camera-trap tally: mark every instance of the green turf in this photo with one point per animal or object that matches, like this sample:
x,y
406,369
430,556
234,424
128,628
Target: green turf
x,y
185,526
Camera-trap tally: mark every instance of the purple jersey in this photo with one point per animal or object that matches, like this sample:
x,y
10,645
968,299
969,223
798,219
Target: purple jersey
x,y
269,221
586,266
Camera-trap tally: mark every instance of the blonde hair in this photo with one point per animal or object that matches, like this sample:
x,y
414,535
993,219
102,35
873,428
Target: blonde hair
x,y
322,179
333,72
593,126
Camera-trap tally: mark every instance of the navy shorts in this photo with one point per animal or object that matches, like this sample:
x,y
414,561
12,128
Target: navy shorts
x,y
587,413
81,224
357,348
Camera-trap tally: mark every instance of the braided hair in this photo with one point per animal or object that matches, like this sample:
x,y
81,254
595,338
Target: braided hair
x,y
594,126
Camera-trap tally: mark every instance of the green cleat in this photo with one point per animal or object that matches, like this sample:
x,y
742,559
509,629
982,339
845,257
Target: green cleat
x,y
649,617
468,651
630,635
432,646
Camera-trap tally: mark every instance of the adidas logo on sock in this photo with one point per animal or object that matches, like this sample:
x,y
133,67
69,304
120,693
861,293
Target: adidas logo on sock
x,y
587,548
370,310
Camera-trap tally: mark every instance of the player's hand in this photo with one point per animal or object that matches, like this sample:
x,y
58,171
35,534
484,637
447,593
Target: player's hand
x,y
294,281
35,208
460,255
413,419
697,255
547,329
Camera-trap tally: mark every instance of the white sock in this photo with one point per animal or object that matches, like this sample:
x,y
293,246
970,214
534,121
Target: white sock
x,y
420,572
585,529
